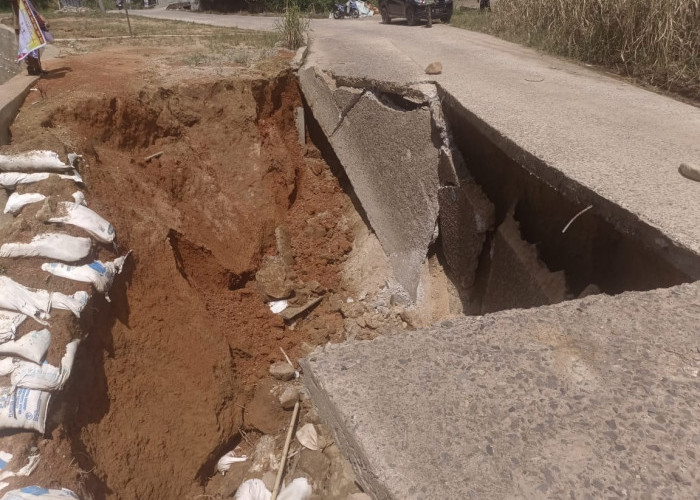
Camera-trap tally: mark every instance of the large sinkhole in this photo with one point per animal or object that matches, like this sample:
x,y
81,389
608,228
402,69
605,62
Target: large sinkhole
x,y
239,209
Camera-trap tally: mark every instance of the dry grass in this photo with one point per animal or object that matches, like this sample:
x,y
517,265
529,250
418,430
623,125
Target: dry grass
x,y
655,41
199,45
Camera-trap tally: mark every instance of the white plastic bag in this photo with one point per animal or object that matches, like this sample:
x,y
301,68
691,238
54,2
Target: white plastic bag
x,y
16,201
32,161
15,297
39,493
9,180
45,377
225,462
9,322
23,409
50,245
74,303
254,489
101,274
83,217
32,346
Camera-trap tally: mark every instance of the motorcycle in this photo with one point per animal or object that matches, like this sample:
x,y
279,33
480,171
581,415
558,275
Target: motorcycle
x,y
341,10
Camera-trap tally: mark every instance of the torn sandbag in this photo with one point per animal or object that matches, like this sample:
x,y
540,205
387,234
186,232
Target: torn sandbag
x,y
29,467
33,161
50,245
39,493
9,322
84,218
10,180
100,274
31,346
5,458
254,489
74,303
45,377
7,366
79,198
16,201
15,297
23,409
225,462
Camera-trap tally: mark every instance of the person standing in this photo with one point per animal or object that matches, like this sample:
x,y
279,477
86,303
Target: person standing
x,y
33,58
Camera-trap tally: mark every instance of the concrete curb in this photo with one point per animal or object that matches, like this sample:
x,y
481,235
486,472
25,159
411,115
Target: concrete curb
x,y
12,94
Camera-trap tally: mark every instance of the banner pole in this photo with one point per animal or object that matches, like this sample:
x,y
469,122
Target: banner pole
x,y
126,9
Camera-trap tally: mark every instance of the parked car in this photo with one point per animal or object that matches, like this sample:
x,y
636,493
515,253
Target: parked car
x,y
415,10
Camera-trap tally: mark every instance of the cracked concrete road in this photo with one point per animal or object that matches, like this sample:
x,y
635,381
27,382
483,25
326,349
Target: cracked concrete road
x,y
594,137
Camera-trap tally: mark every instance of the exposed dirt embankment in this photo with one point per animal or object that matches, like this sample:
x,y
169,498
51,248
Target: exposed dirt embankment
x,y
162,385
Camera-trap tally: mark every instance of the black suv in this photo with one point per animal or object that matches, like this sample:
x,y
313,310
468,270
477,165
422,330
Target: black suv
x,y
415,10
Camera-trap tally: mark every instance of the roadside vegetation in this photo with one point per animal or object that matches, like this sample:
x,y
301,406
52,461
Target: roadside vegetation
x,y
656,42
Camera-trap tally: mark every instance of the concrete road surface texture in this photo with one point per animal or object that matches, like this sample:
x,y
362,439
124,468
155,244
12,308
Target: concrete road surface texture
x,y
551,195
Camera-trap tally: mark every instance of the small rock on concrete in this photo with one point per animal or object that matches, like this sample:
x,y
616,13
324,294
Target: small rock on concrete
x,y
289,397
434,68
282,371
690,171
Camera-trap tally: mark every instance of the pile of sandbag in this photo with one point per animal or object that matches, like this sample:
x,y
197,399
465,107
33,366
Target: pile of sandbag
x,y
28,379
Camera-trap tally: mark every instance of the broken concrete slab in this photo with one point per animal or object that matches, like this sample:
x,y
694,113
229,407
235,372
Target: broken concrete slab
x,y
466,215
319,90
582,399
517,277
391,160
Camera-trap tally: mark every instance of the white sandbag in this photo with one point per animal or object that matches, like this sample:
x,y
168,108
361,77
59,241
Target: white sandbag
x,y
45,377
10,180
32,346
15,297
299,489
83,217
33,161
7,366
39,493
254,489
23,409
74,303
16,201
79,198
101,274
50,245
9,322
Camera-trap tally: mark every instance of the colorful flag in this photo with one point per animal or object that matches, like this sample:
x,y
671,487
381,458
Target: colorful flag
x,y
31,37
